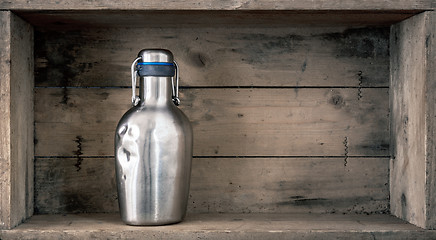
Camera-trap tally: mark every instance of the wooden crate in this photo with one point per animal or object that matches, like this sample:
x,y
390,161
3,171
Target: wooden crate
x,y
310,110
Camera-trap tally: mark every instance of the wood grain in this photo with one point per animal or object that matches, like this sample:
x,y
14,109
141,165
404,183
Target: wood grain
x,y
318,185
222,226
16,121
5,120
22,117
80,20
220,5
430,93
226,122
219,56
413,120
60,186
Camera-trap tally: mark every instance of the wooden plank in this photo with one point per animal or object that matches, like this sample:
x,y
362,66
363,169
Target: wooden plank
x,y
318,185
221,5
219,56
430,41
16,124
413,122
268,185
79,20
222,226
22,116
226,122
74,185
5,120
225,222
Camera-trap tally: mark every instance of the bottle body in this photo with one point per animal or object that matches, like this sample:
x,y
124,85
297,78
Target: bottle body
x,y
153,152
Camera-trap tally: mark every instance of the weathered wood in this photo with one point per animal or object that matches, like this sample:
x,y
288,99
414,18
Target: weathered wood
x,y
321,185
16,120
79,20
208,56
413,122
219,5
72,185
226,122
430,118
222,226
22,118
5,119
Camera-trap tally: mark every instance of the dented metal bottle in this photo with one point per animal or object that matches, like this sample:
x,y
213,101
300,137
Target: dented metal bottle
x,y
153,145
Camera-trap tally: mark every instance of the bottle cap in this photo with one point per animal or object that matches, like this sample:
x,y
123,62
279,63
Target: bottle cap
x,y
156,62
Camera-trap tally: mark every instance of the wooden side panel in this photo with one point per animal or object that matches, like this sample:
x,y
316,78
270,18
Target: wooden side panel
x,y
234,56
219,5
16,86
408,120
5,120
22,115
430,93
321,185
412,100
226,122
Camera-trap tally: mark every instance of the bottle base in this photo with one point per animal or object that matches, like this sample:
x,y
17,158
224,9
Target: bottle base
x,y
152,223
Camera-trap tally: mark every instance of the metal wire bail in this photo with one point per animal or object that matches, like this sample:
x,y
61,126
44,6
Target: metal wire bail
x,y
175,86
134,72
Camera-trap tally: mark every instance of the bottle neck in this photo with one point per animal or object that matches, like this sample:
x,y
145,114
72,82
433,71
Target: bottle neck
x,y
155,91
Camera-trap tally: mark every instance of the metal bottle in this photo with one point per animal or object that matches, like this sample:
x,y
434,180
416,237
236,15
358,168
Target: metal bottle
x,y
153,145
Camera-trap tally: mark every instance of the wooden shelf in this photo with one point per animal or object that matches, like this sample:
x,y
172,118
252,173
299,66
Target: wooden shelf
x,y
220,226
79,20
219,5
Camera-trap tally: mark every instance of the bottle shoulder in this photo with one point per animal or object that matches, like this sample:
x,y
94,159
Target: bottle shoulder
x,y
163,123
156,114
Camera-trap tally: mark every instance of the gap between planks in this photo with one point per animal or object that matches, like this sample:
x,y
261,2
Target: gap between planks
x,y
293,156
223,87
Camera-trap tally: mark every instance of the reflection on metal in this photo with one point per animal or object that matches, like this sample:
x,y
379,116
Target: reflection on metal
x,y
153,146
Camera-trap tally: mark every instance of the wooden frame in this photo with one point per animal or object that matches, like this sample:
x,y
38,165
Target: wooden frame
x,y
412,99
